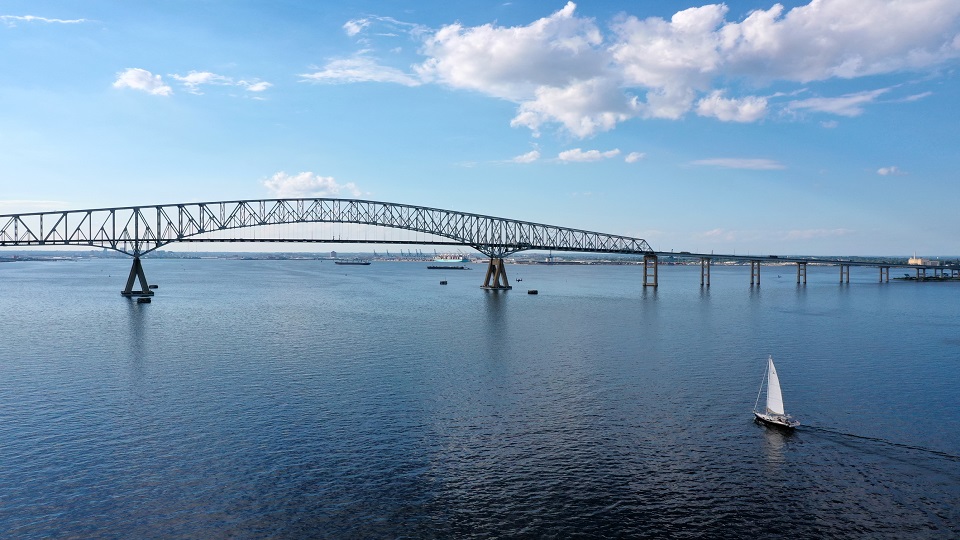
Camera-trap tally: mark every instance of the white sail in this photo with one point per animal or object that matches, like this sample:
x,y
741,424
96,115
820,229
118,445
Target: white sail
x,y
774,397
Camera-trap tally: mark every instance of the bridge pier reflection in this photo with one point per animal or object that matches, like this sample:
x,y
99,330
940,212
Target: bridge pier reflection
x,y
136,274
496,278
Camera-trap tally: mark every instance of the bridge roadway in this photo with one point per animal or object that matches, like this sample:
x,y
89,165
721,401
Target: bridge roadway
x,y
138,230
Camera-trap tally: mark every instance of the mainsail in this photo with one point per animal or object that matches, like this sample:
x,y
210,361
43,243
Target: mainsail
x,y
774,397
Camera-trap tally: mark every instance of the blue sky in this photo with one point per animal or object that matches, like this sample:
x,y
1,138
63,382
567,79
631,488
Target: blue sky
x,y
820,128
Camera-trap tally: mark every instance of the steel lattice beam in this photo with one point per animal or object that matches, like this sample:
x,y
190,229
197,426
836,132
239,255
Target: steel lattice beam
x,y
138,230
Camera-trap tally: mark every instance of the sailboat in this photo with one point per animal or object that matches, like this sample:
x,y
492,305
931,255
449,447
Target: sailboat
x,y
774,413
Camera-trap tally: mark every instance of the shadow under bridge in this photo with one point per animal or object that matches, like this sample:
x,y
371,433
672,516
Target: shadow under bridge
x,y
139,230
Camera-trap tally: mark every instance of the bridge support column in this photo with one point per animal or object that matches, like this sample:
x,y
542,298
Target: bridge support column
x,y
801,272
136,273
884,274
650,271
754,272
496,278
705,270
844,273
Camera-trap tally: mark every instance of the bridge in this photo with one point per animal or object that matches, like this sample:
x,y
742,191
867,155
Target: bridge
x,y
138,230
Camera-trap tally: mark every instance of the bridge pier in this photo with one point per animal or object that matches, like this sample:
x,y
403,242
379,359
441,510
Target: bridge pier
x,y
496,278
754,272
705,270
844,273
802,272
136,273
884,274
650,264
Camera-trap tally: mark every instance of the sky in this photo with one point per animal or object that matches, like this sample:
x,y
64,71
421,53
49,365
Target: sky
x,y
827,127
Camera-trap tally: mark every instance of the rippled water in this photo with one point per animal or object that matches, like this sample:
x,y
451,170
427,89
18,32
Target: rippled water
x,y
287,399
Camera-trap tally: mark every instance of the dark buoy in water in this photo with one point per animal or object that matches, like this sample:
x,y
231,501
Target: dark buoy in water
x,y
444,282
532,291
143,300
153,286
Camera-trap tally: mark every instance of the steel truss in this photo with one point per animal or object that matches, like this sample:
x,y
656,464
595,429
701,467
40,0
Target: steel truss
x,y
138,230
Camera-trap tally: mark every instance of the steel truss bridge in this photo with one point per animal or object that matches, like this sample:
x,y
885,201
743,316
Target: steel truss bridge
x,y
139,230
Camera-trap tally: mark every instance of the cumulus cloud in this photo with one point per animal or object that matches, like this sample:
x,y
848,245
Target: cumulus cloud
x,y
567,70
739,163
579,155
194,80
748,109
634,157
307,184
890,171
142,80
529,157
359,69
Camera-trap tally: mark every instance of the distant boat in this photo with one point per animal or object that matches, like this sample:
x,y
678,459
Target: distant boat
x,y
774,413
352,261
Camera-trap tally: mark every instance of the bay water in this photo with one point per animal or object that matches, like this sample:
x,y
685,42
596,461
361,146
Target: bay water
x,y
299,398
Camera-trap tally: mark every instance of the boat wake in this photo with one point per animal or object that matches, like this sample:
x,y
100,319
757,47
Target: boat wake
x,y
930,451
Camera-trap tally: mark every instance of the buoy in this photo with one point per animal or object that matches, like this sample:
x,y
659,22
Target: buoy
x,y
444,282
532,291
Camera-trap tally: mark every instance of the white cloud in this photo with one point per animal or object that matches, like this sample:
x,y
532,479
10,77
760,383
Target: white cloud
x,y
829,124
739,163
890,171
749,109
12,20
634,157
513,62
569,71
307,184
848,105
195,79
256,86
917,97
143,80
583,108
845,39
529,157
359,69
579,155
355,26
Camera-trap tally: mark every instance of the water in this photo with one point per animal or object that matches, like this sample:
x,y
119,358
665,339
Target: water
x,y
291,399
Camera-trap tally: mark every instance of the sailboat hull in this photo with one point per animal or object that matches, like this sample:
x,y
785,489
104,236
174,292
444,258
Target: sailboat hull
x,y
776,420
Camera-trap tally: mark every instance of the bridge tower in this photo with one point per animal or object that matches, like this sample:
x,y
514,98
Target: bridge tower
x,y
650,270
496,278
136,274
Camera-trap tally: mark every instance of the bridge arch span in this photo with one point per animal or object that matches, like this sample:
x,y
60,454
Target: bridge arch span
x,y
138,230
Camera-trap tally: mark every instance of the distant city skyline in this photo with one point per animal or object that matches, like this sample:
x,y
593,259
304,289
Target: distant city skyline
x,y
813,127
